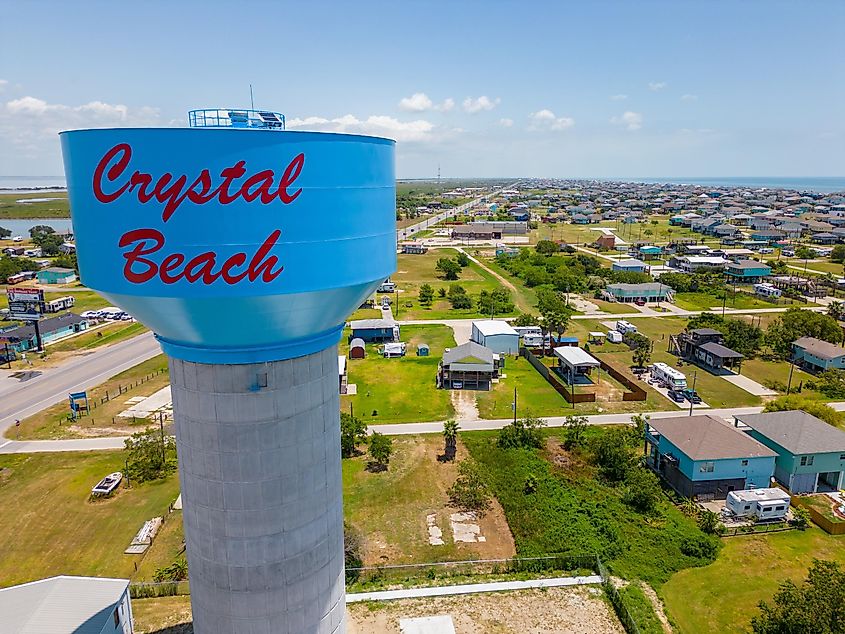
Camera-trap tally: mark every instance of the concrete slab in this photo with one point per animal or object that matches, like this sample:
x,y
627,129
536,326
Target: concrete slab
x,y
749,385
155,402
427,625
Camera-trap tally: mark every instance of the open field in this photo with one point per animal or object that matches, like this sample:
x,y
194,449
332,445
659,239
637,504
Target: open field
x,y
9,208
52,422
535,397
102,336
581,234
705,301
747,571
765,372
403,389
389,509
56,529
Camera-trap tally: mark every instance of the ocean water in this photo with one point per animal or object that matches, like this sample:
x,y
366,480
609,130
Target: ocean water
x,y
820,184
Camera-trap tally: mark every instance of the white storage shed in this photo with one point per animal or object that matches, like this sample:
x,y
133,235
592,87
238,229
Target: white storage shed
x,y
498,336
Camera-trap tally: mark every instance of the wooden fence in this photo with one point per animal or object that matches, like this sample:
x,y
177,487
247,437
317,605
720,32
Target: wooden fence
x,y
634,393
826,524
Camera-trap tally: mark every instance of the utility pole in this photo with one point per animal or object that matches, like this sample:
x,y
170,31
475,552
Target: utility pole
x,y
692,394
161,426
791,369
514,405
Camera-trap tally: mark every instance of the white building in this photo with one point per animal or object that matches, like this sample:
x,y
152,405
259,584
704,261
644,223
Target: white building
x,y
64,605
497,335
764,504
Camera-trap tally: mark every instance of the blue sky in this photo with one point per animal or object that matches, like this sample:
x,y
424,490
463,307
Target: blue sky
x,y
645,88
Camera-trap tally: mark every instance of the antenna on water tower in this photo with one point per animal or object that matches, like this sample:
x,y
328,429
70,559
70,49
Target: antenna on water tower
x,y
251,100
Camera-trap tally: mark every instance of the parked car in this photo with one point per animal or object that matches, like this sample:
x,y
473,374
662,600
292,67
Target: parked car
x,y
692,396
788,253
639,301
676,396
767,250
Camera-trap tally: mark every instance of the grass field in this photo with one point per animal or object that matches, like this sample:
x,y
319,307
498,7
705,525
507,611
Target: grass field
x,y
767,371
9,208
52,422
705,301
55,529
581,234
105,335
534,395
400,390
723,596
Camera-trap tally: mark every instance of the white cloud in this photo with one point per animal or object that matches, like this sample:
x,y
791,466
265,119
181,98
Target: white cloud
x,y
689,97
545,119
506,123
618,97
447,105
379,125
656,85
631,120
481,103
3,83
418,102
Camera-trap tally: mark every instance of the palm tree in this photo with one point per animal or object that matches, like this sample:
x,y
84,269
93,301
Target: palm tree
x,y
836,310
450,437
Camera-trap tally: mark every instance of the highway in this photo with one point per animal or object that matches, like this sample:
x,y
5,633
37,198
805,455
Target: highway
x,y
22,398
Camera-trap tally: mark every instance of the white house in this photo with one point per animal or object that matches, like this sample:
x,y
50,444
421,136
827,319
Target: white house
x,y
64,604
498,336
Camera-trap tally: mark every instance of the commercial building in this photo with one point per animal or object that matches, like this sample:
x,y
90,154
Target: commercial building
x,y
497,335
469,366
817,355
67,605
810,452
22,338
647,291
489,230
56,275
702,456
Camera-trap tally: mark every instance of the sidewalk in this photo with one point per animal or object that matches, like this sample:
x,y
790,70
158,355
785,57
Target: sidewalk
x,y
472,588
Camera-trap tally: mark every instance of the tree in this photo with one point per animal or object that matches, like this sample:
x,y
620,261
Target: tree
x,y
469,491
40,230
381,447
458,297
526,319
462,259
642,346
795,323
50,243
441,292
642,490
449,268
708,522
831,383
497,301
813,407
547,247
574,428
804,253
149,455
353,432
836,309
817,606
612,454
524,433
554,310
426,294
836,255
11,266
5,233
450,439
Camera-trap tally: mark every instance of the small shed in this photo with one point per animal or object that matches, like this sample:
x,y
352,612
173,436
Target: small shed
x,y
423,350
357,349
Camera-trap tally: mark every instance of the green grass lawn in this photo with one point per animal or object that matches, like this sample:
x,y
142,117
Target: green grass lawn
x,y
580,234
400,390
534,394
615,308
525,298
9,208
54,527
723,596
765,372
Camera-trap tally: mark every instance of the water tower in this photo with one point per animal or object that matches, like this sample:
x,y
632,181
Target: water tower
x,y
244,247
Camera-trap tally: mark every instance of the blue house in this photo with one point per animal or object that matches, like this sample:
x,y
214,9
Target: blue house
x,y
702,456
747,271
22,338
375,330
650,251
629,265
811,453
816,355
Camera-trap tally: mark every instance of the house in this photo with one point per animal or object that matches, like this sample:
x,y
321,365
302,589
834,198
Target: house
x,y
769,236
416,248
56,275
705,347
747,271
824,238
497,335
469,366
341,374
816,355
65,604
574,364
605,242
630,265
493,230
375,330
692,263
22,338
810,452
702,456
650,251
647,291
357,349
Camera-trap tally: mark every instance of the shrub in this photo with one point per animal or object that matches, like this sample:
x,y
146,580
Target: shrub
x,y
523,433
469,491
612,454
642,490
700,547
353,431
381,448
177,571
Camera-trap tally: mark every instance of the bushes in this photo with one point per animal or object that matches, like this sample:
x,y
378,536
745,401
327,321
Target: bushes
x,y
640,609
469,491
642,491
700,547
523,433
815,408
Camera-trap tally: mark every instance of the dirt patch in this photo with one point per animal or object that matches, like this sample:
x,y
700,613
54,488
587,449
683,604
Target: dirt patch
x,y
464,403
657,604
571,610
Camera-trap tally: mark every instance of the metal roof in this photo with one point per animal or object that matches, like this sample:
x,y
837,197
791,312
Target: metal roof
x,y
707,438
797,431
60,605
723,352
368,324
490,327
574,356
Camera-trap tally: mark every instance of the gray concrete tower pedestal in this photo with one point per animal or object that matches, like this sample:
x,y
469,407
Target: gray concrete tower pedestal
x,y
259,465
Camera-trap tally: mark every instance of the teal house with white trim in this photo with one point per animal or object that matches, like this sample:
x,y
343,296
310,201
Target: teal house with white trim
x,y
747,271
647,291
810,452
816,355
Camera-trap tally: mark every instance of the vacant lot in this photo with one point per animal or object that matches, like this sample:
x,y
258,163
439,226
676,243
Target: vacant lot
x,y
402,389
50,525
10,208
535,397
389,509
747,571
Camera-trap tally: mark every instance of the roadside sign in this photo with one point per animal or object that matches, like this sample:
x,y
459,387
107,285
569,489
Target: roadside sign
x,y
25,304
25,294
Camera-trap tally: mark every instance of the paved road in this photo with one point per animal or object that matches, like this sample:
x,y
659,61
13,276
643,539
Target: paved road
x,y
19,399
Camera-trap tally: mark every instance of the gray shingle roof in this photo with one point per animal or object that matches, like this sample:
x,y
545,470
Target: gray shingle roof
x,y
796,431
467,350
819,348
706,438
723,352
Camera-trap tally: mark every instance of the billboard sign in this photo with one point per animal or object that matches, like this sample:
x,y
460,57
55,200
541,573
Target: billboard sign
x,y
25,304
233,245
